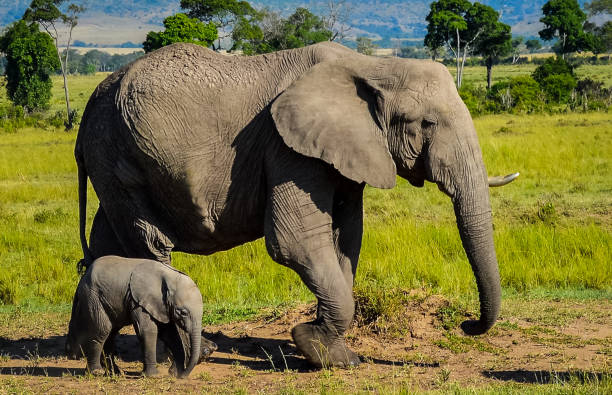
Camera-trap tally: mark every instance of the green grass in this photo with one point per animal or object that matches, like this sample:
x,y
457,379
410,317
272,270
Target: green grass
x,y
477,75
80,88
552,226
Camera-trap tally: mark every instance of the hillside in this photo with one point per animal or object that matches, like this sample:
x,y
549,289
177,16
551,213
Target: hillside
x,y
118,21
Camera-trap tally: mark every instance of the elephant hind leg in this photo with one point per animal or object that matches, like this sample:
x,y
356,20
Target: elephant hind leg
x,y
126,226
102,239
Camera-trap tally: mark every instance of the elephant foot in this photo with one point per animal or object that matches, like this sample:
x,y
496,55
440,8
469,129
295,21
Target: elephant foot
x,y
321,349
150,372
97,371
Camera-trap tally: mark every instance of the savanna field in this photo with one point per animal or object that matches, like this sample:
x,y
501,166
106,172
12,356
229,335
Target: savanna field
x,y
553,234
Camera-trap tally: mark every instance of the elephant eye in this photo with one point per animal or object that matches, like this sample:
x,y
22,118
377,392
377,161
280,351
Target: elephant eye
x,y
428,122
182,312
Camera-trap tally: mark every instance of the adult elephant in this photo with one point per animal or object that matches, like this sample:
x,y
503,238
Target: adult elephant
x,y
189,150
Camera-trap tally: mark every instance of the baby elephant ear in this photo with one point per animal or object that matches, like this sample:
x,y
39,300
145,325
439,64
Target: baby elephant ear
x,y
149,289
329,114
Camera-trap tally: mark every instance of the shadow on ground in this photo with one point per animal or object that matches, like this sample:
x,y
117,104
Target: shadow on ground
x,y
544,376
256,353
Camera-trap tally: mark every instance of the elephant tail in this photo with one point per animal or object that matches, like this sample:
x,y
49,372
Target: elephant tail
x,y
82,174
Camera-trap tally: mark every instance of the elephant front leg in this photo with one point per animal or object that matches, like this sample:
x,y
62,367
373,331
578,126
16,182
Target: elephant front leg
x,y
347,217
146,330
298,231
347,225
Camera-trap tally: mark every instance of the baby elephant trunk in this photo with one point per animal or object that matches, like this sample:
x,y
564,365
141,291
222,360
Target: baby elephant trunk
x,y
192,350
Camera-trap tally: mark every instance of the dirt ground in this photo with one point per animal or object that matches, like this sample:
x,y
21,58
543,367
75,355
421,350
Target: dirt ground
x,y
553,342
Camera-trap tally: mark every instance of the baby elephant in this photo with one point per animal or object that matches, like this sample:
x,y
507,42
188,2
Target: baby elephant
x,y
157,299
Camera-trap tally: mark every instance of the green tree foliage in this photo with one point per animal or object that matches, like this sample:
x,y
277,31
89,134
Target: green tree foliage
x,y
300,29
459,24
556,79
558,88
495,42
533,45
604,34
599,7
48,14
564,20
552,66
227,15
249,37
181,28
30,59
520,94
365,45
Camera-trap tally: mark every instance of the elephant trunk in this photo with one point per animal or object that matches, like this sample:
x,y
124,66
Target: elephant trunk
x,y
473,212
195,341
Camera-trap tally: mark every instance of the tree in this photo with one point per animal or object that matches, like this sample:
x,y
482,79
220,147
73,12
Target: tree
x,y
48,14
181,28
518,47
458,24
564,20
225,14
30,60
533,45
249,37
337,19
365,45
603,33
495,42
300,29
599,7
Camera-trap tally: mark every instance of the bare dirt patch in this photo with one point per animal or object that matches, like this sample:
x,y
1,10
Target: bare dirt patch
x,y
420,349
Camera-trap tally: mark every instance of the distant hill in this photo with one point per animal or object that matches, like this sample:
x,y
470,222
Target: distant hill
x,y
118,21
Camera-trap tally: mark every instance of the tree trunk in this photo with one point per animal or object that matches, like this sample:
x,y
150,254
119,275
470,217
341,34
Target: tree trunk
x,y
465,49
489,71
457,55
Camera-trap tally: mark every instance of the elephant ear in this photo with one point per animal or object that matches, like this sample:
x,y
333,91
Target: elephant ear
x,y
328,113
151,285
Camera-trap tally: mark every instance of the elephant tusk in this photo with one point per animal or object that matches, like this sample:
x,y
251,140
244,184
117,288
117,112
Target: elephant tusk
x,y
501,181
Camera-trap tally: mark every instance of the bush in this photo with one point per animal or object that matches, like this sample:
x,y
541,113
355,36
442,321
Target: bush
x,y
520,94
30,59
475,98
552,66
558,88
590,95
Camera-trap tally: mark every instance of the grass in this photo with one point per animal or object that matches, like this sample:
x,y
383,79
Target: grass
x,y
552,227
477,75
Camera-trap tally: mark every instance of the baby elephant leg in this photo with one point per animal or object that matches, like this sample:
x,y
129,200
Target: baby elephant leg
x,y
92,349
108,358
146,330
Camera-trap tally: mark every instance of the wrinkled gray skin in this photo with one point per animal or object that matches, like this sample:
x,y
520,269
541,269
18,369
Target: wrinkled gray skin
x,y
158,300
189,150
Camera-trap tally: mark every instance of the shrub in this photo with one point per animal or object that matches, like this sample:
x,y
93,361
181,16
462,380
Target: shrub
x,y
590,95
558,88
552,66
520,94
475,98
